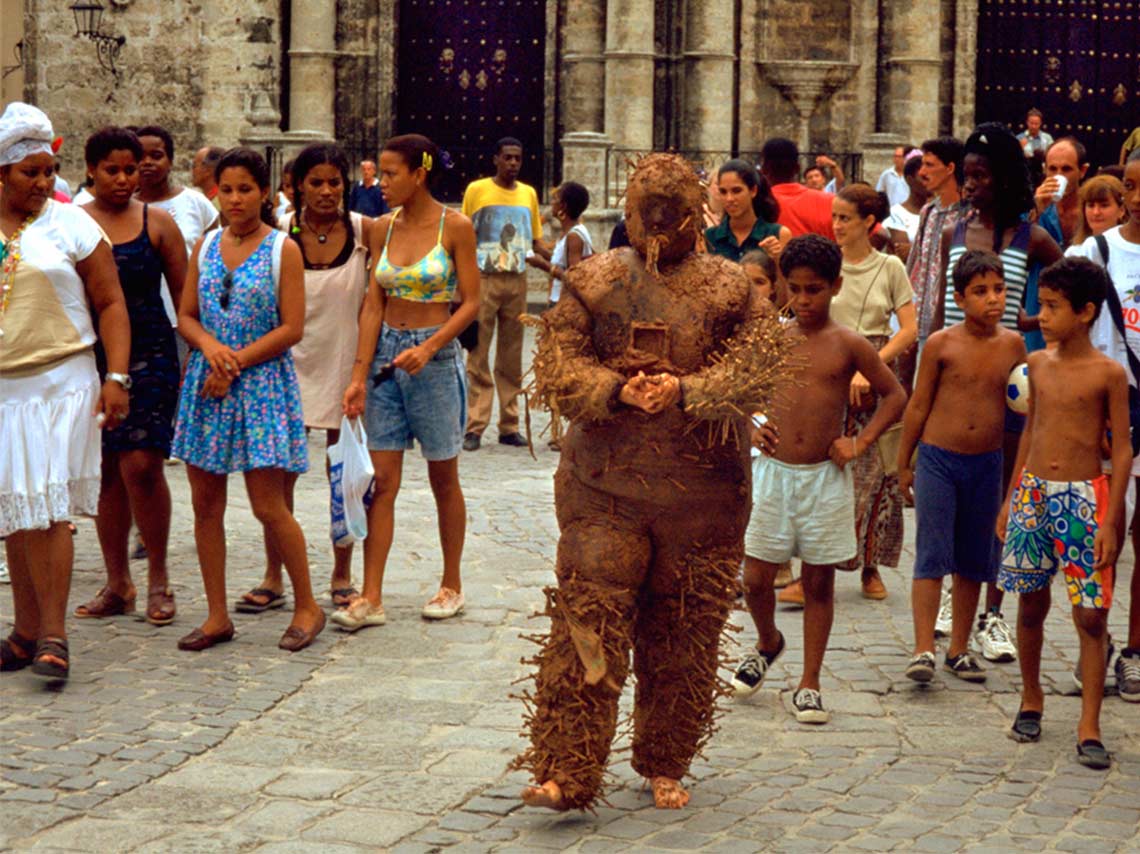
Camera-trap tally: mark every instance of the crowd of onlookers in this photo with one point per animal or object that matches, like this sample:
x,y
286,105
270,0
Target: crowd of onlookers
x,y
218,324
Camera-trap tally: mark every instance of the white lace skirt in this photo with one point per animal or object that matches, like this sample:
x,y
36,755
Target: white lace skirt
x,y
50,445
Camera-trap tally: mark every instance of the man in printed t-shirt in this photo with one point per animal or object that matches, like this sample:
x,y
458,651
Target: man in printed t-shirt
x,y
504,212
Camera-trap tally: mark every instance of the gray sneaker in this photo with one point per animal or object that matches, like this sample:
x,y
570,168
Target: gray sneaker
x,y
1128,674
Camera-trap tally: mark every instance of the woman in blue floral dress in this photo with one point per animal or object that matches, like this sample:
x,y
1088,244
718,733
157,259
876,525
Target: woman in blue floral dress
x,y
240,408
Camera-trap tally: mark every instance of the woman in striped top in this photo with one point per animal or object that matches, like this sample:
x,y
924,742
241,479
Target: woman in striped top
x,y
995,186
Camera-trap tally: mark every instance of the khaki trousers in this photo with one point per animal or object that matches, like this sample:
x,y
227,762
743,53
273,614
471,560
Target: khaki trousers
x,y
502,299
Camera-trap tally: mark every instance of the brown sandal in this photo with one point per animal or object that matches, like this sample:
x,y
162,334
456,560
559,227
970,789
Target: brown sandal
x,y
51,661
160,608
106,603
16,652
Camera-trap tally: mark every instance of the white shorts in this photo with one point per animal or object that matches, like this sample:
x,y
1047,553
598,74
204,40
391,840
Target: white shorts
x,y
804,511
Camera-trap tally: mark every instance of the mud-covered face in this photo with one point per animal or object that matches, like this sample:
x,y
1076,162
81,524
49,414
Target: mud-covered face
x,y
663,208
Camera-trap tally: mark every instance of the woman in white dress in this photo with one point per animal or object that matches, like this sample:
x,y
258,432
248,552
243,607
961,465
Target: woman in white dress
x,y
57,269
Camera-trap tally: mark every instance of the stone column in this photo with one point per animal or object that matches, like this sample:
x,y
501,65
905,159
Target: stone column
x,y
912,68
965,57
312,68
584,67
709,57
629,73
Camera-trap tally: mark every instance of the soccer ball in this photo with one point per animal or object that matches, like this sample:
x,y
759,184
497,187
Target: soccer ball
x,y
1017,390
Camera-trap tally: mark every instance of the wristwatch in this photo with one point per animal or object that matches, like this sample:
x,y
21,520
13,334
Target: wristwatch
x,y
122,379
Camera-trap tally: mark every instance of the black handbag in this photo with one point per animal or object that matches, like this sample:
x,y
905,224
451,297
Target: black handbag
x,y
469,338
1117,311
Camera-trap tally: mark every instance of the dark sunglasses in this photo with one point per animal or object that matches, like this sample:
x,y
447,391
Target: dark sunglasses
x,y
227,286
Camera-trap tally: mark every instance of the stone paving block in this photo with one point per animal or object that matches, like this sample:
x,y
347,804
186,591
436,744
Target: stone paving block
x,y
158,801
281,819
466,822
678,839
826,832
32,796
215,776
311,784
628,827
360,827
93,834
298,846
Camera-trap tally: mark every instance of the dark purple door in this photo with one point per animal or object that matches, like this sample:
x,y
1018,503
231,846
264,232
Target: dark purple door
x,y
1078,61
469,74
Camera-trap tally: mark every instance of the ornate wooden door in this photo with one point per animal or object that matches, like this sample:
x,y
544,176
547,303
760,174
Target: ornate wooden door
x,y
469,74
1078,61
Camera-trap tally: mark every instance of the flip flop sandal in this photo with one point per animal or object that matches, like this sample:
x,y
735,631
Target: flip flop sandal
x,y
1092,754
51,648
273,600
342,597
1026,726
16,652
105,604
160,609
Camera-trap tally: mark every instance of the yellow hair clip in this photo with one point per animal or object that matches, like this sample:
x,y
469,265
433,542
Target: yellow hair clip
x,y
427,162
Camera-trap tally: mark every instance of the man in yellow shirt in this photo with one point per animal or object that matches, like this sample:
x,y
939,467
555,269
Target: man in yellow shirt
x,y
504,212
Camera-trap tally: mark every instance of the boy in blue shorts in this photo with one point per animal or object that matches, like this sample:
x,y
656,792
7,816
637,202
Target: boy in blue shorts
x,y
1061,509
803,499
956,417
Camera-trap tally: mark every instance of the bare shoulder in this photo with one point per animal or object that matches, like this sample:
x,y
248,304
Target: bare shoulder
x,y
291,252
1109,369
456,219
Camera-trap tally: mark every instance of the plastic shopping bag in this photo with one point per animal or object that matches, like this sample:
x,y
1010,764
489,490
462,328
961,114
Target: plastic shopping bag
x,y
350,484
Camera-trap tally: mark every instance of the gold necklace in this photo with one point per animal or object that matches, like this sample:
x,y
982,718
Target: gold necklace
x,y
11,256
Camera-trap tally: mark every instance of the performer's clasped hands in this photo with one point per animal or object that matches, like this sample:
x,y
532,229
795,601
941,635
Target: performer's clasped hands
x,y
651,394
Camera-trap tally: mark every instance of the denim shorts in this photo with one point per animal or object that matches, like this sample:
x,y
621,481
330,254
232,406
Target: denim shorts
x,y
430,407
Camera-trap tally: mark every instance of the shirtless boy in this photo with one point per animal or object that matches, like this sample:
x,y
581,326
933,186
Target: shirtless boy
x,y
1061,509
957,419
803,500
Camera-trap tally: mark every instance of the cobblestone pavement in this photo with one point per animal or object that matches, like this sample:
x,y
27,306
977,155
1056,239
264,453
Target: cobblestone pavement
x,y
398,737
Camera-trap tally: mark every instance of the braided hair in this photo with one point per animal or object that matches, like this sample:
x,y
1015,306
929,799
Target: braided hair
x,y
319,154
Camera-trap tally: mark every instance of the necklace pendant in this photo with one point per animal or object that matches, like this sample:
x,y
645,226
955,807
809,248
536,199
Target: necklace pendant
x,y
322,238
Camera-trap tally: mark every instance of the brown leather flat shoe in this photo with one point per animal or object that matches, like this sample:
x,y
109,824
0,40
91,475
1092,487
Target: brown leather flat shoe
x,y
106,603
198,640
160,609
296,638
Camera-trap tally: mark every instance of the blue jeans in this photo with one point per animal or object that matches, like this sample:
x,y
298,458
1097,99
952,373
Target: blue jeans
x,y
430,407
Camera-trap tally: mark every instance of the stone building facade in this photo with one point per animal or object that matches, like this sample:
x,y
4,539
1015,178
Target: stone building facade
x,y
585,83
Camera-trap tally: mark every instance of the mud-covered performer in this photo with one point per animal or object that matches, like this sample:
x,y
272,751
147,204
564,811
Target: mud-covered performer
x,y
656,355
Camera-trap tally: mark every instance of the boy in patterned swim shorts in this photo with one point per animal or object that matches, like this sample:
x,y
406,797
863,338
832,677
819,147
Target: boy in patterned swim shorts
x,y
1061,510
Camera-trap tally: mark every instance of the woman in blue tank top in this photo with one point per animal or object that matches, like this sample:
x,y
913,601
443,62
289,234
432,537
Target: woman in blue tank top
x,y
408,380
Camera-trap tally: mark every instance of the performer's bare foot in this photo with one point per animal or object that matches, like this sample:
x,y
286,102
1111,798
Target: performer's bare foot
x,y
668,794
548,795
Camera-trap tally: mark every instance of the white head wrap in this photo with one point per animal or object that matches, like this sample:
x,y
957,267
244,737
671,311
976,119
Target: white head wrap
x,y
24,131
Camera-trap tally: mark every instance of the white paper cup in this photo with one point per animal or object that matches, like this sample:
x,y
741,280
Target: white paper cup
x,y
1062,184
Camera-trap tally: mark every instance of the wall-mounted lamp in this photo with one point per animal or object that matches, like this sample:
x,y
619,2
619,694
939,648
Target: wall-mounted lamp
x,y
88,17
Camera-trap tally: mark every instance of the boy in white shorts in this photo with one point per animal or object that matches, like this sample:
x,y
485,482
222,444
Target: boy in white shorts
x,y
803,501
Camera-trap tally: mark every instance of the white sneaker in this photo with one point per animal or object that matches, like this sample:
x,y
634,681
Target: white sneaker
x,y
995,640
359,614
446,603
809,707
4,577
944,622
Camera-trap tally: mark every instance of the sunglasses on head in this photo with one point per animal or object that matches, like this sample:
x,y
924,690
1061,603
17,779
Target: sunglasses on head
x,y
227,287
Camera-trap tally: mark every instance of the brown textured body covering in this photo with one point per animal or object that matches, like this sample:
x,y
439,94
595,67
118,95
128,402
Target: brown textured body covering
x,y
651,507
